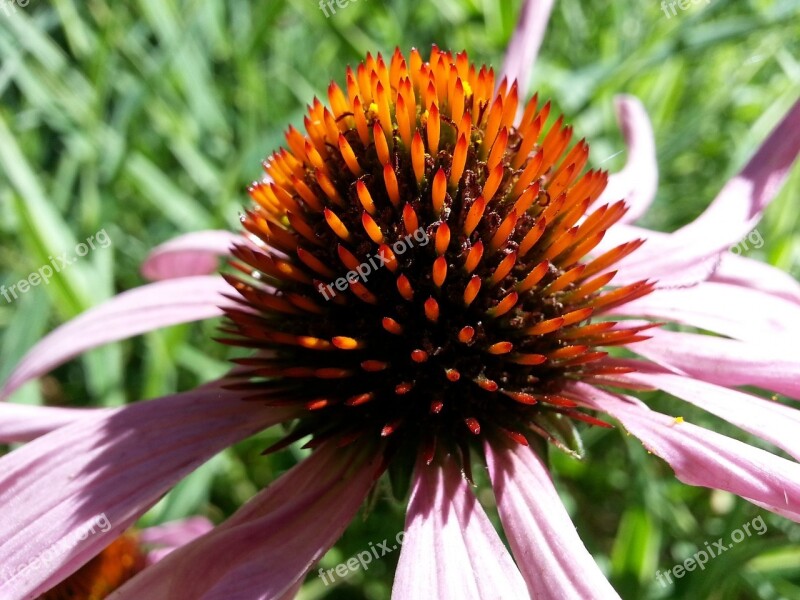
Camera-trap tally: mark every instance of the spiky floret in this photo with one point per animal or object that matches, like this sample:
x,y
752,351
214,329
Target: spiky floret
x,y
475,310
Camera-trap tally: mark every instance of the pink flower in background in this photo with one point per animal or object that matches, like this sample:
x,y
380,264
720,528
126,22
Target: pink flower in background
x,y
477,345
122,559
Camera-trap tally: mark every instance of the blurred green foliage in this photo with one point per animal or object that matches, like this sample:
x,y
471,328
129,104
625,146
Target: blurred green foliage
x,y
149,118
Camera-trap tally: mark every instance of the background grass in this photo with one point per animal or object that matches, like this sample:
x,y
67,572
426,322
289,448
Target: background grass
x,y
149,118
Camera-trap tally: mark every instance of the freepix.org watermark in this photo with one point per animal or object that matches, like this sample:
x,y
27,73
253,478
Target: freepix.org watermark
x,y
9,7
669,6
45,272
328,7
753,240
713,550
362,559
363,270
46,560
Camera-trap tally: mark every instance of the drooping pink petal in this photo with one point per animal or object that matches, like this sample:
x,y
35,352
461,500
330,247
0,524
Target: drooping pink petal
x,y
195,253
732,214
621,233
705,458
273,540
176,533
115,464
767,419
24,422
747,195
551,555
450,548
525,42
157,555
747,272
727,267
666,276
128,314
738,312
162,539
724,361
637,182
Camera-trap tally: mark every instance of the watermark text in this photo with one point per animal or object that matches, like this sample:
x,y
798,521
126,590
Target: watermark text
x,y
43,274
9,7
713,550
668,6
361,560
363,270
48,558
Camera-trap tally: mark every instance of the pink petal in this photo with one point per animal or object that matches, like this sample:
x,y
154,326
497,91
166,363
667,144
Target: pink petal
x,y
724,361
450,548
272,541
666,276
525,41
734,212
168,537
738,312
128,314
24,422
746,272
116,464
728,267
767,419
623,232
705,458
194,253
551,555
637,182
155,556
176,533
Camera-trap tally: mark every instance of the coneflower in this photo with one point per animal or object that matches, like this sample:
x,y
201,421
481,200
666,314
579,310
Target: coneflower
x,y
104,573
124,558
427,280
460,241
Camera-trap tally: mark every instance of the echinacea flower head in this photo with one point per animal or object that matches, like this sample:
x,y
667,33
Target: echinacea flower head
x,y
459,241
429,277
